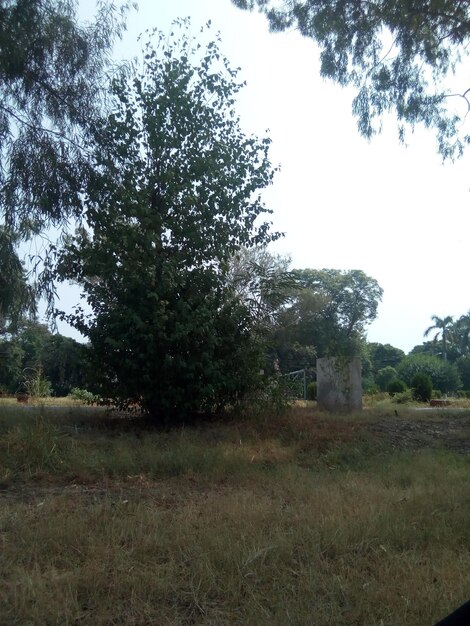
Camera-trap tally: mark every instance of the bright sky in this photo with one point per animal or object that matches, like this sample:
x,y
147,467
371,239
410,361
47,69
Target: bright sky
x,y
395,212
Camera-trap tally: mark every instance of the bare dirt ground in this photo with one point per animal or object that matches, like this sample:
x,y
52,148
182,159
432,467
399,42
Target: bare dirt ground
x,y
444,429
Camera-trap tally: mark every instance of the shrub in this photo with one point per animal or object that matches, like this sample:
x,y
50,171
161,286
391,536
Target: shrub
x,y
396,386
312,390
82,395
436,393
36,385
368,385
272,399
422,387
403,398
385,376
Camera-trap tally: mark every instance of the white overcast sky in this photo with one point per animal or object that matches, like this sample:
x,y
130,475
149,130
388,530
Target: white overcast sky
x,y
395,212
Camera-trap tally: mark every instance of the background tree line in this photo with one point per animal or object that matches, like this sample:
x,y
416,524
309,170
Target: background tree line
x,y
445,358
32,351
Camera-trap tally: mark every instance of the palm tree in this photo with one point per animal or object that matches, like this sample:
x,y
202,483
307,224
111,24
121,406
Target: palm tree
x,y
442,325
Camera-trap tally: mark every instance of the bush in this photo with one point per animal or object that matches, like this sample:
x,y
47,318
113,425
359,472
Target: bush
x,y
396,386
272,399
422,387
368,385
35,383
437,394
385,376
312,390
82,395
403,398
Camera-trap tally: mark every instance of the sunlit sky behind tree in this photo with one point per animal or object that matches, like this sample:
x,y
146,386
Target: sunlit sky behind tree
x,y
395,212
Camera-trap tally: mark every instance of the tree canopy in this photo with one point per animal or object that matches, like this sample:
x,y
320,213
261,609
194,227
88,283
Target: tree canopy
x,y
52,79
51,91
384,355
444,375
326,315
349,301
175,193
17,296
400,55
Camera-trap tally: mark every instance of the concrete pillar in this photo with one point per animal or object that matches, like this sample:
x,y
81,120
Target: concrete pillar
x,y
339,384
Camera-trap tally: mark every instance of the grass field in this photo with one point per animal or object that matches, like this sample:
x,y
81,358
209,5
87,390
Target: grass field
x,y
301,519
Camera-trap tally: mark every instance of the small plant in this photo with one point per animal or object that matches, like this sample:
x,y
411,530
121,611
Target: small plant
x,y
273,399
422,387
35,383
403,398
396,386
84,396
312,390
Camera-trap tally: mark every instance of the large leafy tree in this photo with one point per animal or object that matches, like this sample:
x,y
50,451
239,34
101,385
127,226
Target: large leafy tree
x,y
396,53
52,73
329,313
384,355
175,193
64,363
349,301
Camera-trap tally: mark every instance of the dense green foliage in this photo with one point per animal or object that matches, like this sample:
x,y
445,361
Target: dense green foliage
x,y
327,316
463,366
312,390
396,386
383,355
385,376
422,387
396,53
444,375
175,194
34,353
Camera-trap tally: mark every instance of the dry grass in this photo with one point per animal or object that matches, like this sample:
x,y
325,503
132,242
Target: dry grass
x,y
303,519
